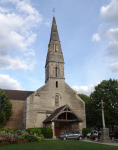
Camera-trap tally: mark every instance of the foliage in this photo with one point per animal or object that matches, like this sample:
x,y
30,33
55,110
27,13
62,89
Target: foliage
x,y
31,138
34,131
12,135
84,97
6,111
107,91
85,131
46,132
2,128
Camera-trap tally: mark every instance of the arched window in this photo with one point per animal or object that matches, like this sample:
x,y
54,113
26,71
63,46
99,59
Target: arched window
x,y
56,100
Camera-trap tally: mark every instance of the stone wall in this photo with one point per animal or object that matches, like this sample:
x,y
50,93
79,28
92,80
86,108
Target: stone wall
x,y
16,120
44,100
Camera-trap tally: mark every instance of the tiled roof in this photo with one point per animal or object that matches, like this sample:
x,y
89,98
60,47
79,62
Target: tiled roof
x,y
17,94
54,114
57,111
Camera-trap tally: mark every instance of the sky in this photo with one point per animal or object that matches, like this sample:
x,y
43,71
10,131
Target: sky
x,y
88,31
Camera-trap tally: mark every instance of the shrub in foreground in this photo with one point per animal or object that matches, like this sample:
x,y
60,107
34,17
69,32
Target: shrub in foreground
x,y
18,136
85,131
46,132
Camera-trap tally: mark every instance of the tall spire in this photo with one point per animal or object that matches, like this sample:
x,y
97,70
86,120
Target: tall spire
x,y
54,32
54,67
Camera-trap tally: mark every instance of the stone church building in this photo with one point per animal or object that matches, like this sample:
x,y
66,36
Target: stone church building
x,y
55,104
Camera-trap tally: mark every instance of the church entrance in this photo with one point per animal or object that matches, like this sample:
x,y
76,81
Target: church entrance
x,y
57,132
62,120
62,127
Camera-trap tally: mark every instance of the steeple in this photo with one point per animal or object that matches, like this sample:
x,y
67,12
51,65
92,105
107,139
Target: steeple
x,y
54,33
54,60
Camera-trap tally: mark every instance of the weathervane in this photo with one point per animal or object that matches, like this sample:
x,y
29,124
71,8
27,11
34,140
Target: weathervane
x,y
53,11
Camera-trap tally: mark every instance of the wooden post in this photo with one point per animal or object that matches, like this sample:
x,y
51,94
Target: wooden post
x,y
66,116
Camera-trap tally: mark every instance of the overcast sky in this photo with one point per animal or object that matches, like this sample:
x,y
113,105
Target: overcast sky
x,y
88,31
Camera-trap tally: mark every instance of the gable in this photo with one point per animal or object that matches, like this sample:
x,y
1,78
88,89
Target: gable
x,y
63,112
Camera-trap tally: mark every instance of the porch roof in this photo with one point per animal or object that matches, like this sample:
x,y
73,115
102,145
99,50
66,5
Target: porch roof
x,y
57,112
54,114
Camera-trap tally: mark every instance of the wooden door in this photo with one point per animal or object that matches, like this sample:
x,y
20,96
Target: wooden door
x,y
57,132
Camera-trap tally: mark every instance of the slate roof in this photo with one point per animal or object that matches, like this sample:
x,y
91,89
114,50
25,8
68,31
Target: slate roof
x,y
54,114
51,117
17,94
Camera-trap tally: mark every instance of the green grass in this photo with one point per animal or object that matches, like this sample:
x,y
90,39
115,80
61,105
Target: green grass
x,y
58,145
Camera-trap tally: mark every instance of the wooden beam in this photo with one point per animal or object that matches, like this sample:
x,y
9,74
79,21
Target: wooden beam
x,y
62,120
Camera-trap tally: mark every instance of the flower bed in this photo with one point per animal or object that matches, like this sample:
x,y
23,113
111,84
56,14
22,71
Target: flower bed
x,y
19,136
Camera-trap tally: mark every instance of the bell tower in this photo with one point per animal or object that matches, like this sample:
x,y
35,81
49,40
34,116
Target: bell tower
x,y
54,67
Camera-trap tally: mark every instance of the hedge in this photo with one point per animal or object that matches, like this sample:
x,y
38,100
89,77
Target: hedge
x,y
85,131
47,132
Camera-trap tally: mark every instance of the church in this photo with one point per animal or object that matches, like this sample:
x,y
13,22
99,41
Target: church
x,y
56,104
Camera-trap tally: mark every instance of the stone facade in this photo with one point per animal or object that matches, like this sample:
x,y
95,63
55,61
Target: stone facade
x,y
36,106
17,117
17,98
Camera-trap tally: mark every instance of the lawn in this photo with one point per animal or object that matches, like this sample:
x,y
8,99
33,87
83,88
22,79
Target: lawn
x,y
58,145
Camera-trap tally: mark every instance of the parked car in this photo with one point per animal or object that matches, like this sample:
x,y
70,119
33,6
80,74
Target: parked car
x,y
95,135
71,135
92,132
98,135
88,135
112,135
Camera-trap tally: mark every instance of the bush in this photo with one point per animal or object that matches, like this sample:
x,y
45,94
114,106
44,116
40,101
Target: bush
x,y
2,128
85,131
31,138
6,111
11,135
47,132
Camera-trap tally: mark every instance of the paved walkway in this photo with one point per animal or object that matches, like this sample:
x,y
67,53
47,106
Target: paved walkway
x,y
114,144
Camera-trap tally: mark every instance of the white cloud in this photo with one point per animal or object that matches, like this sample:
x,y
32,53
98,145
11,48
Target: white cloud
x,y
108,30
26,7
85,89
16,34
3,10
114,65
9,83
48,23
110,12
112,49
17,63
111,33
95,37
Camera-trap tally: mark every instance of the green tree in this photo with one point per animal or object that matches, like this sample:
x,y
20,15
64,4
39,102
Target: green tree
x,y
6,111
84,97
107,91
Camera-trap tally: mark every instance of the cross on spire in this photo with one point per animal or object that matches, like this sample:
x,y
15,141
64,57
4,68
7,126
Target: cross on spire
x,y
53,11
